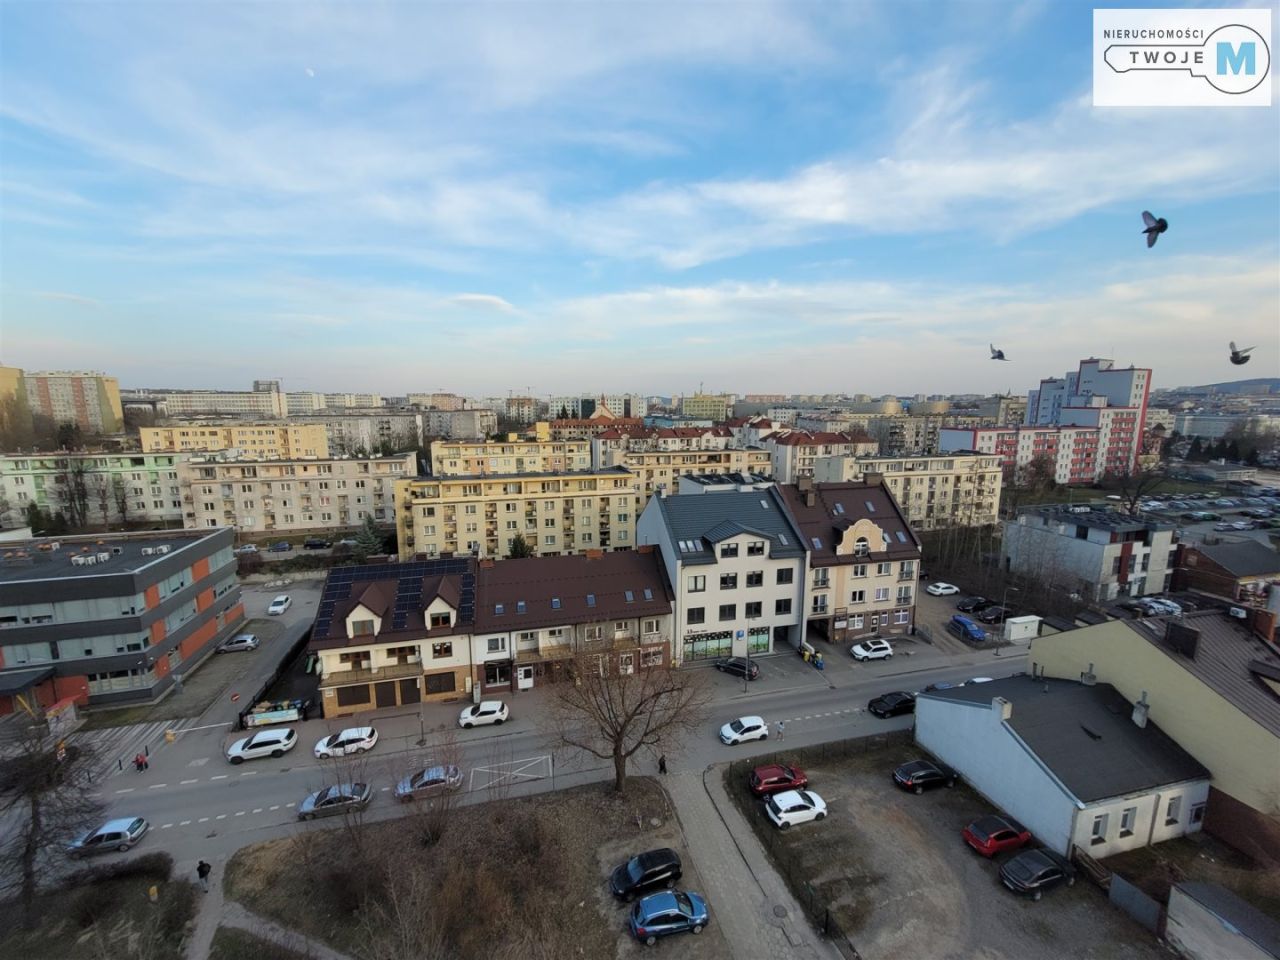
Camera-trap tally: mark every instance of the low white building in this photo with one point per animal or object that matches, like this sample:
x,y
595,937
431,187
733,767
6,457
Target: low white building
x,y
1076,763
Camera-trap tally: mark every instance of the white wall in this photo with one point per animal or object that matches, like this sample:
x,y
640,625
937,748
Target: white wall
x,y
1150,806
1197,933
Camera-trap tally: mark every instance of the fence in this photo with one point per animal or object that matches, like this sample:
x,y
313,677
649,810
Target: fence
x,y
1146,910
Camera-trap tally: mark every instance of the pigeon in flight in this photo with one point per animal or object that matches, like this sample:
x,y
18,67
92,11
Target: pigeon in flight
x,y
1240,357
1155,227
997,354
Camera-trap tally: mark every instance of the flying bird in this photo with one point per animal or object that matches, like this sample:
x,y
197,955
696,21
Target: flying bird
x,y
1155,227
1240,357
997,354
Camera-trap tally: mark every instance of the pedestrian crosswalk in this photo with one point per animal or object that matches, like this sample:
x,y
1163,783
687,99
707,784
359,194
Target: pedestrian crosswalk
x,y
115,747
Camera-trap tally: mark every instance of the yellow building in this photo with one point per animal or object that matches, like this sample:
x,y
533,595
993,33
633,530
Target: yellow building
x,y
263,440
453,458
953,490
706,406
661,469
556,513
90,400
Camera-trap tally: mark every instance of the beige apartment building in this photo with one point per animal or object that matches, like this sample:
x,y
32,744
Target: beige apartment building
x,y
263,440
258,403
706,406
452,458
952,490
291,495
560,513
657,470
89,400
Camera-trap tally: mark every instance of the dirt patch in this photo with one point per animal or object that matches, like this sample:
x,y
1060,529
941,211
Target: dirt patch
x,y
511,878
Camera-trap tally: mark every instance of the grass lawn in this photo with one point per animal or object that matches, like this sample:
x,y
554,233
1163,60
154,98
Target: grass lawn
x,y
232,943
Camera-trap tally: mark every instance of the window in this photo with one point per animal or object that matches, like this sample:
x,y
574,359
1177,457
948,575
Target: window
x,y
859,570
593,632
882,594
904,594
361,628
861,547
1173,811
651,658
820,603
786,575
728,611
755,578
884,569
696,615
752,609
822,578
497,644
697,584
1127,819
782,607
901,616
549,540
441,650
549,522
728,581
755,548
858,596
439,620
728,550
650,627
1197,812
1099,829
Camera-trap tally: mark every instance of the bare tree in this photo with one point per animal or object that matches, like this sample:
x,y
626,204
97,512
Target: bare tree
x,y
46,797
102,497
614,715
403,924
1134,484
73,489
429,816
121,494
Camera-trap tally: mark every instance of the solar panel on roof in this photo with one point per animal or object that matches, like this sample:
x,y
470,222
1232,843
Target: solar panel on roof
x,y
871,507
902,537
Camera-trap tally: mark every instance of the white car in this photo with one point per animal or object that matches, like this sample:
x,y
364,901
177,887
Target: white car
x,y
872,650
265,743
795,806
351,740
941,589
977,680
744,729
486,711
1161,605
279,605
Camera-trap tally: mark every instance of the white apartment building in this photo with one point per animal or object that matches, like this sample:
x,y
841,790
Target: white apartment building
x,y
120,487
932,492
304,402
264,403
470,424
660,469
436,401
338,401
451,458
351,433
794,451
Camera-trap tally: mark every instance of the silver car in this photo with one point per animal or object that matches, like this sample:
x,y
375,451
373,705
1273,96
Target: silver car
x,y
333,800
118,834
429,782
241,641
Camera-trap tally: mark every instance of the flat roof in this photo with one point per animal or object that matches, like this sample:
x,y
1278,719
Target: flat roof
x,y
49,558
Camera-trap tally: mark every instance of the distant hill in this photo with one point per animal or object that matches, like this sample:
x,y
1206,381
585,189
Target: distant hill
x,y
1258,385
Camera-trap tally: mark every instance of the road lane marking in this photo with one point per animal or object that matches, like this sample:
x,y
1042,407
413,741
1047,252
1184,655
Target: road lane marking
x,y
257,809
290,804
157,786
239,813
221,776
276,807
184,823
203,820
221,816
385,789
249,773
184,782
165,826
125,790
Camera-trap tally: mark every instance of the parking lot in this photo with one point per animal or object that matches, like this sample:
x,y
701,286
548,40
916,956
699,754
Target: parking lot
x,y
900,881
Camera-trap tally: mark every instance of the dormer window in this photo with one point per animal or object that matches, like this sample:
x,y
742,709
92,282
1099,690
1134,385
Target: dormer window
x,y
362,628
439,620
861,547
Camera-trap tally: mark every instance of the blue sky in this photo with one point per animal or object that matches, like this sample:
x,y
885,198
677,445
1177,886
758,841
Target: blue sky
x,y
759,197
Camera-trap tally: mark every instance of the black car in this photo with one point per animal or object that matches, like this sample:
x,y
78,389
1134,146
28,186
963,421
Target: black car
x,y
994,614
1034,871
970,604
739,667
893,704
922,775
645,872
315,543
284,546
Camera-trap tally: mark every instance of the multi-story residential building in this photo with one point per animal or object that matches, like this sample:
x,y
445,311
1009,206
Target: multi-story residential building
x,y
119,488
628,406
932,492
522,409
340,401
1216,426
593,427
89,400
864,559
533,615
263,439
1003,411
660,470
111,619
304,402
905,434
795,451
469,424
363,433
1093,381
257,403
1072,455
436,401
738,566
1099,554
707,406
556,513
288,496
463,459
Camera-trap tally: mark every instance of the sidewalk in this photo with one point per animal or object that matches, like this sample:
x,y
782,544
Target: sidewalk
x,y
749,901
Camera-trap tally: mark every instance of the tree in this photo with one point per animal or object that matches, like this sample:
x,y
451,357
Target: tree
x,y
368,540
564,412
73,489
35,517
121,495
46,795
102,497
614,715
1195,453
16,429
519,548
1134,484
69,436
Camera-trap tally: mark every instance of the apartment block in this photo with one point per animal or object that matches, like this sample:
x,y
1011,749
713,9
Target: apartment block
x,y
89,400
906,434
364,433
795,451
660,470
664,439
339,401
621,405
479,458
471,424
259,403
556,513
265,440
1073,454
932,492
522,409
287,496
119,488
436,401
1003,411
706,406
111,619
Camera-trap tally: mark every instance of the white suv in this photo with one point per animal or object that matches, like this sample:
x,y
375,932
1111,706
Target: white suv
x,y
264,743
352,740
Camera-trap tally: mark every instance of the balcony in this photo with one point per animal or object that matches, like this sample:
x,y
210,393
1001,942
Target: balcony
x,y
362,674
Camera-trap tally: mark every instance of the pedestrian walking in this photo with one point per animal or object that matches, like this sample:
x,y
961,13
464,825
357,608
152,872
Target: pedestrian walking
x,y
140,762
662,764
202,871
782,730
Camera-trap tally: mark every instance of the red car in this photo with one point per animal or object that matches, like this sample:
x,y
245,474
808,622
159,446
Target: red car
x,y
775,778
995,834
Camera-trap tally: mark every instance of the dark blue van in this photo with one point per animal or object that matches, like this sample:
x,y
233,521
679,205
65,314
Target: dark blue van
x,y
966,629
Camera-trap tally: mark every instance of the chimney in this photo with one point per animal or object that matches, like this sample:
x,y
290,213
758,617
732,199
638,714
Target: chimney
x,y
873,479
804,483
644,548
810,498
595,555
1002,707
1140,711
1089,678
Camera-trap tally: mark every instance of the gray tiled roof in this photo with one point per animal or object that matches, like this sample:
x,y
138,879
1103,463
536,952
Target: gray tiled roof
x,y
1247,558
1251,922
1085,735
701,520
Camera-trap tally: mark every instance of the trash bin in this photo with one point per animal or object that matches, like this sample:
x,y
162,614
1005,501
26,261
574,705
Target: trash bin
x,y
818,662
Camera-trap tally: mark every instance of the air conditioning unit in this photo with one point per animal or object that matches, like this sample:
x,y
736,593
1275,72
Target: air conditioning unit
x,y
77,561
1240,613
148,551
55,545
165,548
103,557
116,551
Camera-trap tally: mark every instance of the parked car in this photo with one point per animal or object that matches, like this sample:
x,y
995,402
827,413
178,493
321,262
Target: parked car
x,y
972,604
941,685
795,806
662,914
872,650
994,614
972,680
1034,871
966,629
274,742
486,711
922,775
644,872
279,605
340,798
941,589
892,704
775,778
1225,525
247,548
119,834
351,740
241,641
315,543
739,667
429,782
995,834
744,729
284,546
1159,606
1243,525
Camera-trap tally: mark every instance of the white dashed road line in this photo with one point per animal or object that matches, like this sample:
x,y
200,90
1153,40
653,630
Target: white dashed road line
x,y
221,816
203,820
239,813
249,773
184,782
157,786
184,823
257,809
276,807
221,776
125,790
165,826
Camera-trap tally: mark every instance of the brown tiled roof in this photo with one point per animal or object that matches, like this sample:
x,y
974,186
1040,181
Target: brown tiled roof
x,y
538,581
799,438
376,597
446,588
837,506
399,593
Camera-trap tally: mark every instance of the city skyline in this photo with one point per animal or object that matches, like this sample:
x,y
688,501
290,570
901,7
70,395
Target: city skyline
x,y
795,199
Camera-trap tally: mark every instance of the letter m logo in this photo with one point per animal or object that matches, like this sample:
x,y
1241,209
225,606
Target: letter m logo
x,y
1232,59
